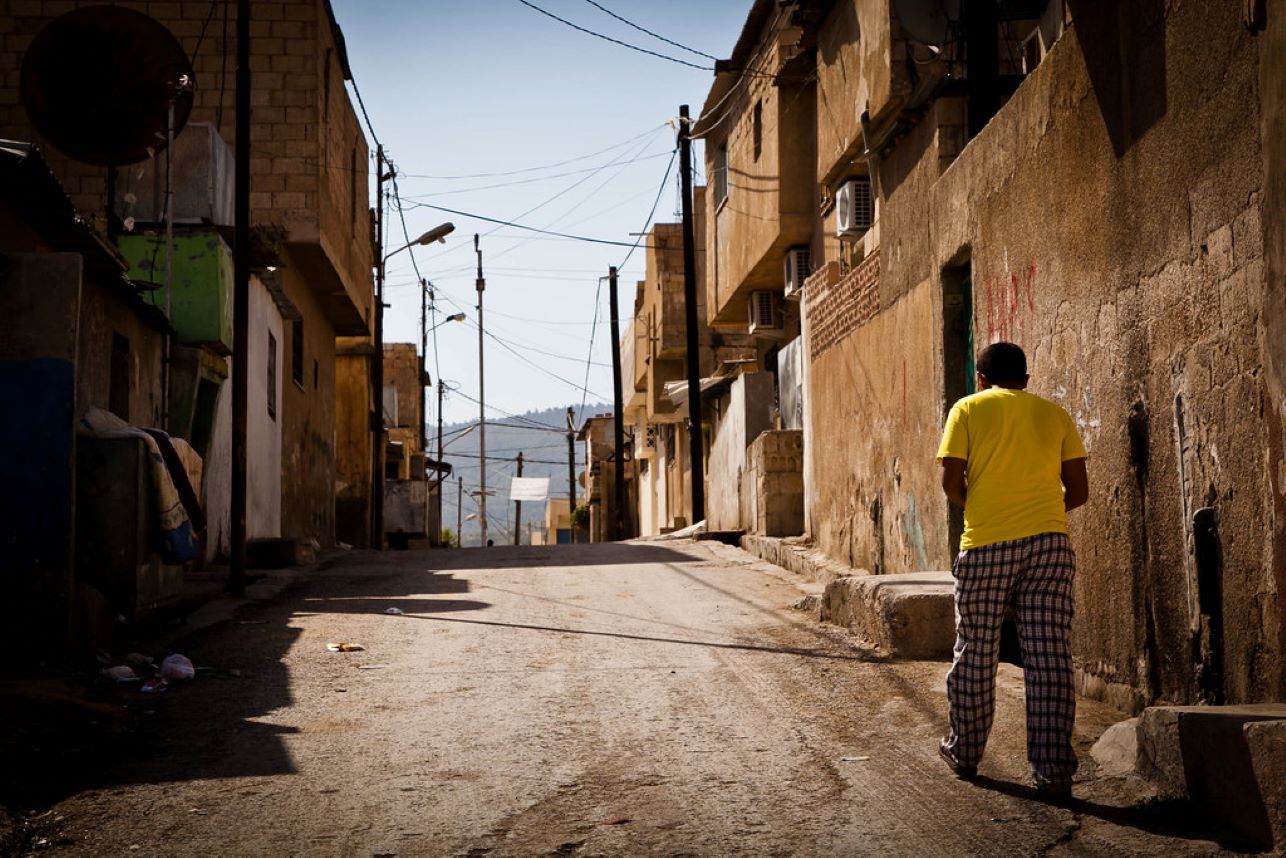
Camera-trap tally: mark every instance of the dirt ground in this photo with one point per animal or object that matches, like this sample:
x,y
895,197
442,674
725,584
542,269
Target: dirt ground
x,y
628,699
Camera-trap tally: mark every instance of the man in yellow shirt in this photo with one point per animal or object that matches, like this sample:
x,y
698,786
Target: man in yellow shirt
x,y
1016,464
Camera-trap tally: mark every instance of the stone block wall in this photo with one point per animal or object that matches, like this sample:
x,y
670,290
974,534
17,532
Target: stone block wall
x,y
773,484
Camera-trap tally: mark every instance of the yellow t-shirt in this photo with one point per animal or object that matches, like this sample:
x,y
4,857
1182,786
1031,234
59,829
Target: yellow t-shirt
x,y
1014,444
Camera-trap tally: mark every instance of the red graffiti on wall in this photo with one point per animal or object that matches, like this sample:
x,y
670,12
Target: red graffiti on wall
x,y
903,391
1006,297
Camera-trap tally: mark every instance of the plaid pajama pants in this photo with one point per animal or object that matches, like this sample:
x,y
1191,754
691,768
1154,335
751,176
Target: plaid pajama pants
x,y
1035,576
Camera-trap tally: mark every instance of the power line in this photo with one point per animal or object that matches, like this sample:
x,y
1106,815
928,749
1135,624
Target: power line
x,y
615,41
620,145
366,116
650,33
593,332
652,213
521,226
556,196
536,179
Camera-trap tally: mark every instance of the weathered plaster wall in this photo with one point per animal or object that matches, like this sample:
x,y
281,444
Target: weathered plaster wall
x,y
743,412
263,437
875,415
308,423
855,72
1110,218
353,409
1272,92
103,316
771,200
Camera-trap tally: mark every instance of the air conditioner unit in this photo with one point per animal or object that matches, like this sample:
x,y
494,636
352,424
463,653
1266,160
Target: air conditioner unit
x,y
764,315
201,179
797,271
854,208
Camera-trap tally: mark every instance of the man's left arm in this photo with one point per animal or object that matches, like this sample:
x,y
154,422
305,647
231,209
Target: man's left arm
x,y
1076,483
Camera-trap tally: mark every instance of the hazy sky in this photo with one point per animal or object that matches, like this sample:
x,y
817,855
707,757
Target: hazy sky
x,y
493,86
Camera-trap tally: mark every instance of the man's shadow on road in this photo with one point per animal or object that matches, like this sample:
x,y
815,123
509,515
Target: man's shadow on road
x,y
1175,818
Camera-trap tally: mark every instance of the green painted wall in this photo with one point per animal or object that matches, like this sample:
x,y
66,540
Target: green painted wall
x,y
201,306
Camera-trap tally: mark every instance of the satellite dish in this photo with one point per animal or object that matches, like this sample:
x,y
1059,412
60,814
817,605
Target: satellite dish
x,y
927,21
98,82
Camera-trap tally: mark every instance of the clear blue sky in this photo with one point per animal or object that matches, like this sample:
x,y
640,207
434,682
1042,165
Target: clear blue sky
x,y
492,86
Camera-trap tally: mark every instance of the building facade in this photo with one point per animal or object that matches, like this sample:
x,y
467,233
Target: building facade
x,y
1087,179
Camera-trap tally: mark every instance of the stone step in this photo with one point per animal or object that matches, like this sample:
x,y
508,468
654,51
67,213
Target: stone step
x,y
1229,760
908,615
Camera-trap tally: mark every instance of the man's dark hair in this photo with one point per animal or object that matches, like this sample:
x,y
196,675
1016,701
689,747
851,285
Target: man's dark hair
x,y
1003,363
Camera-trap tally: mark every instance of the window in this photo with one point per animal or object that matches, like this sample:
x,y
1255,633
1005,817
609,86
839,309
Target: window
x,y
720,174
758,130
272,376
297,351
119,377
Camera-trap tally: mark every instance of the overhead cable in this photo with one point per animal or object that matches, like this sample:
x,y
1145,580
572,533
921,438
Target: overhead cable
x,y
650,33
486,219
615,41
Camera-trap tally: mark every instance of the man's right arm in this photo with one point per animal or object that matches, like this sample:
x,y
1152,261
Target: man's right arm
x,y
953,480
1076,484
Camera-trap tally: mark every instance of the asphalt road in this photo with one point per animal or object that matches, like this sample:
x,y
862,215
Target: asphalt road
x,y
632,699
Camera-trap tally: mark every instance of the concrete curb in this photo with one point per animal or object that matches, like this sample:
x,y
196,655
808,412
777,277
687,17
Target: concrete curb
x,y
908,615
797,555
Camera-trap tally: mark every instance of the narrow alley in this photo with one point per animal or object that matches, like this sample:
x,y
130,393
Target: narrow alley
x,y
631,698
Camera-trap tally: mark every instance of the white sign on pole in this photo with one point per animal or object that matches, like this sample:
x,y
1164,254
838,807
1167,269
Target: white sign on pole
x,y
529,489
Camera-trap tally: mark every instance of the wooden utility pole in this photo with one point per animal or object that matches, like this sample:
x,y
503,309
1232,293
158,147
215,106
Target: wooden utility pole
x,y
618,415
240,305
518,509
571,468
482,408
377,362
697,463
459,514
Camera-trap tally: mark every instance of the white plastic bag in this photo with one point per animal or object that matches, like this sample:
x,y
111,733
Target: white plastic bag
x,y
177,667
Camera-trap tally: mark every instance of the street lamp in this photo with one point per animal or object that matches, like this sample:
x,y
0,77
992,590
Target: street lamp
x,y
438,233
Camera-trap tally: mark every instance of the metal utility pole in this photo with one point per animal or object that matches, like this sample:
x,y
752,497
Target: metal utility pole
x,y
518,509
424,352
482,408
618,422
440,389
240,305
459,514
571,467
377,362
697,463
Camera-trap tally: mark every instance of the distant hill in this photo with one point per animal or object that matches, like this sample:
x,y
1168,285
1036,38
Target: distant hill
x,y
544,455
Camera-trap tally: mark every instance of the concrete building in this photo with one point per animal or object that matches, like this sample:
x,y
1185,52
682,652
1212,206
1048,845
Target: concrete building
x,y
76,335
412,507
309,201
598,479
1092,182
